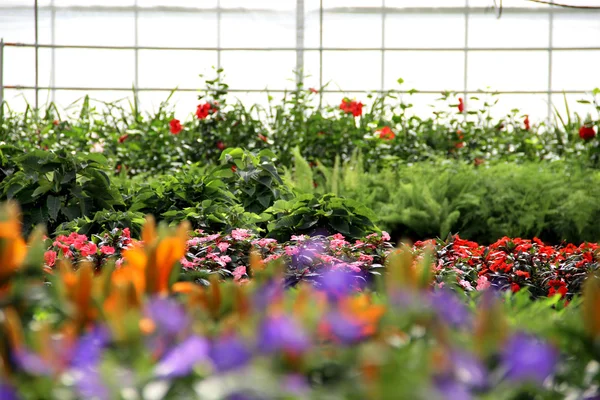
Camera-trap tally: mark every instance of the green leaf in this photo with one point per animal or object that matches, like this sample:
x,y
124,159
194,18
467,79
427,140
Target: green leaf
x,y
53,204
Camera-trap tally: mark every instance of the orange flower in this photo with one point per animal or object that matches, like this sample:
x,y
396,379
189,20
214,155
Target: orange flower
x,y
12,246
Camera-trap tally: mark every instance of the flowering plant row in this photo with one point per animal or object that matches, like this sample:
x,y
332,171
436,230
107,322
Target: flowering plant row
x,y
133,331
507,265
384,130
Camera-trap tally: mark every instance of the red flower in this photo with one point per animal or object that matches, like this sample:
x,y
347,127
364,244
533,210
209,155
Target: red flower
x,y
526,122
514,287
262,137
233,168
107,250
351,107
459,145
123,138
461,105
587,132
220,145
478,161
313,90
386,133
203,110
523,274
55,122
175,126
557,286
50,258
459,134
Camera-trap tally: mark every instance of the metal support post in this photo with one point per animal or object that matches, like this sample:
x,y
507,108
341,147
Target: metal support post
x,y
299,41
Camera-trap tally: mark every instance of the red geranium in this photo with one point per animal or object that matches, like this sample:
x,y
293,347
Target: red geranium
x,y
351,107
386,133
175,126
461,105
526,122
123,138
203,110
587,132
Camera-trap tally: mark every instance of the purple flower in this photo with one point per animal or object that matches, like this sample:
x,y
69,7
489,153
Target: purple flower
x,y
338,283
450,309
526,358
181,359
469,370
7,392
88,351
31,363
451,389
168,315
228,353
343,328
296,385
282,333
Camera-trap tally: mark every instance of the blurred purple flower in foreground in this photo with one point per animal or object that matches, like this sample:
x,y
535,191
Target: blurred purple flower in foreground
x,y
181,359
338,283
450,308
526,358
168,315
281,332
451,389
229,352
7,392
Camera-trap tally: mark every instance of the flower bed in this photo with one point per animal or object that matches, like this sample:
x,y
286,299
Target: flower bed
x,y
508,264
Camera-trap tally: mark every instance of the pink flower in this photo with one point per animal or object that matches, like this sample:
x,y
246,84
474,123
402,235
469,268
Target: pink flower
x,y
223,260
118,263
263,242
335,243
385,236
366,258
238,273
223,246
107,250
240,234
126,233
88,249
291,250
300,238
483,283
50,258
270,258
465,284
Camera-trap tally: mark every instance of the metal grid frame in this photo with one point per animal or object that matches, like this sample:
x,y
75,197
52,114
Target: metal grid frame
x,y
300,48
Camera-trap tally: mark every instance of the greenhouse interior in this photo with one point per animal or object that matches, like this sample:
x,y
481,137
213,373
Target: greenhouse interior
x,y
300,199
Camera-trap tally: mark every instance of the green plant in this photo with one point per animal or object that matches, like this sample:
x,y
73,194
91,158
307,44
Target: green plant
x,y
57,187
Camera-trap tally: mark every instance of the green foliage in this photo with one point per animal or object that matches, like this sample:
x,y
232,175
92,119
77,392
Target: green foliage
x,y
552,201
54,188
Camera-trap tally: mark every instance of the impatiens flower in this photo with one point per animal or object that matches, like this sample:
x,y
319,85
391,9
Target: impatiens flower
x,y
50,258
526,123
557,287
238,273
240,234
282,333
123,138
175,126
88,249
98,147
220,145
514,287
228,352
525,358
587,132
107,250
351,107
483,283
461,105
313,90
262,137
203,111
181,360
385,133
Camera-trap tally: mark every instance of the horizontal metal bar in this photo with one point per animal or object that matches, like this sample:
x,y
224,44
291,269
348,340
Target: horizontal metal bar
x,y
436,49
117,89
332,10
